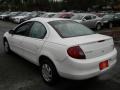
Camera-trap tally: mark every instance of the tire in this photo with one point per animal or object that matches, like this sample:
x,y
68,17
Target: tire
x,y
98,26
6,47
110,25
48,72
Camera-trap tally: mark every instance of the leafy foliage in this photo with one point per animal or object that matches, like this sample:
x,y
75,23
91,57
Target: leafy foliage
x,y
52,5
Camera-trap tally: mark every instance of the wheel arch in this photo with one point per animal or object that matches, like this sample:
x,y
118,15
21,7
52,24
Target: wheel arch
x,y
44,57
98,22
4,39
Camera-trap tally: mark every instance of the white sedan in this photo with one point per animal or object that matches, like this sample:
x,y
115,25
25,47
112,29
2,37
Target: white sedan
x,y
61,48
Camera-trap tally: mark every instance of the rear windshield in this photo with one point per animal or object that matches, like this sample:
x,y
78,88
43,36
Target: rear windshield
x,y
68,28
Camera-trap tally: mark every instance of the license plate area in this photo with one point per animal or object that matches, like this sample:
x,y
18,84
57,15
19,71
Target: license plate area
x,y
103,65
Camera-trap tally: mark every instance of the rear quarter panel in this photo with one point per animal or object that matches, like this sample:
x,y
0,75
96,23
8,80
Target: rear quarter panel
x,y
55,52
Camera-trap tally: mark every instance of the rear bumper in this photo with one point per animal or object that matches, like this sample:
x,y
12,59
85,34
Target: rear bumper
x,y
84,69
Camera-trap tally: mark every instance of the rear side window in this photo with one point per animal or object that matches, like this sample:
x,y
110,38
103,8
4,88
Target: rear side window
x,y
67,28
38,30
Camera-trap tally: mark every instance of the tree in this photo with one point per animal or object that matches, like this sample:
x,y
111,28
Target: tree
x,y
52,4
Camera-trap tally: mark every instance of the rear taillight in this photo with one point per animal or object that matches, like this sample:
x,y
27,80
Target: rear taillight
x,y
76,52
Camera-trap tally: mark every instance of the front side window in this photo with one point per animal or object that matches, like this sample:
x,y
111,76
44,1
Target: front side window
x,y
67,28
88,17
38,30
23,29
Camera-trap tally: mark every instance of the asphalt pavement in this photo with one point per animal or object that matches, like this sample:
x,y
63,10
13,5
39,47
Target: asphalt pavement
x,y
18,74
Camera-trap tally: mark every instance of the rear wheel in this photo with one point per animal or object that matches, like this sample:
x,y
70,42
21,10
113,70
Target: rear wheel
x,y
6,47
48,72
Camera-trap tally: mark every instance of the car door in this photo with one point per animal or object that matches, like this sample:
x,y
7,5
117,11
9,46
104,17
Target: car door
x,y
34,43
87,21
17,38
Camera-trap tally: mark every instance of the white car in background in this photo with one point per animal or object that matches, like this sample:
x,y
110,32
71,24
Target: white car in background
x,y
48,15
3,15
20,18
61,48
89,20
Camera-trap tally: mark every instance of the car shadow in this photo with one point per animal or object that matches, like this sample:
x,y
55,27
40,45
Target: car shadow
x,y
93,83
96,83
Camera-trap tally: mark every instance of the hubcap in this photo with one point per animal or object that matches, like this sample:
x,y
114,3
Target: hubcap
x,y
46,72
6,47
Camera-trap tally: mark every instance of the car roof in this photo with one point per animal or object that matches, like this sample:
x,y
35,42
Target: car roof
x,y
84,14
46,19
50,13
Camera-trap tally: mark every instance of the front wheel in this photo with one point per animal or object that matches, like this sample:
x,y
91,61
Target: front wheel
x,y
99,26
48,72
6,47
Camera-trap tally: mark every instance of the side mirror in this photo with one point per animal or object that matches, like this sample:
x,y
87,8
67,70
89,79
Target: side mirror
x,y
11,31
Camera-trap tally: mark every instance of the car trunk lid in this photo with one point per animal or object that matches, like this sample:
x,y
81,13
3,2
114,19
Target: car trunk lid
x,y
92,45
97,48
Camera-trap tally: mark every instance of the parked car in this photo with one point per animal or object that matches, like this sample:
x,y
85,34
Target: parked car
x,y
40,13
67,15
89,20
11,15
31,15
101,14
111,20
20,18
48,15
3,15
61,48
